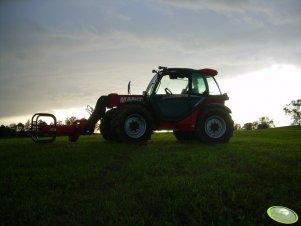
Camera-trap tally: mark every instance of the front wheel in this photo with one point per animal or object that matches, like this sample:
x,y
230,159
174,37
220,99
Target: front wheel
x,y
132,123
105,126
215,126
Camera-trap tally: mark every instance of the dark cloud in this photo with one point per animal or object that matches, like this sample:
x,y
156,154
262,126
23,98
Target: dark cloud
x,y
276,11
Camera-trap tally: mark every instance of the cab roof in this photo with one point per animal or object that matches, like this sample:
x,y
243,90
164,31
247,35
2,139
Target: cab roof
x,y
207,71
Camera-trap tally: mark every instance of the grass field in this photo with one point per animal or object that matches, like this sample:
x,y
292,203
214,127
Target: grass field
x,y
165,182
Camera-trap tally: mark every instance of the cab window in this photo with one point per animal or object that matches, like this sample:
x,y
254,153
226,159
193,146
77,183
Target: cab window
x,y
172,84
198,86
212,86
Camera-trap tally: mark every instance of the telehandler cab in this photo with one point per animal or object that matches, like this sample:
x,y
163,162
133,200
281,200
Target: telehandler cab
x,y
187,101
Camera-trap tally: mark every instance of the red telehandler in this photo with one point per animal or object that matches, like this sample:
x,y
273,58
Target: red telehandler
x,y
187,101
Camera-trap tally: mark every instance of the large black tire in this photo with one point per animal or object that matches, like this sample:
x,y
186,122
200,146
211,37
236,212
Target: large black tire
x,y
215,126
132,123
105,125
185,136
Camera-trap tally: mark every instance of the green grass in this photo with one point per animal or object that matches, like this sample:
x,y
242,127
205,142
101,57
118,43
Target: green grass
x,y
165,182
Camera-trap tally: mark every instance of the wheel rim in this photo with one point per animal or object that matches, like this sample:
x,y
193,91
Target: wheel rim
x,y
135,126
215,127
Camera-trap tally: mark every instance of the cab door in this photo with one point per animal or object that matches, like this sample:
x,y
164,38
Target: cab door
x,y
171,98
198,90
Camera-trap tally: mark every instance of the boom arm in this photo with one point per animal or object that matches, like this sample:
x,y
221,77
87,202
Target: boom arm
x,y
97,114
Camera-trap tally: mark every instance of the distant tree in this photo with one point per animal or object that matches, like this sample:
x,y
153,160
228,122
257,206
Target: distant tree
x,y
70,121
5,131
2,130
13,126
59,123
13,129
264,123
237,126
42,123
293,109
27,125
248,126
20,127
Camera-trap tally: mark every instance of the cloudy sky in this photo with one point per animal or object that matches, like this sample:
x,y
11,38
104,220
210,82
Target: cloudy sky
x,y
59,56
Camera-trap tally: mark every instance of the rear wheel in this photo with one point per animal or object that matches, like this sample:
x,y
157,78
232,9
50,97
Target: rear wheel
x,y
215,126
132,123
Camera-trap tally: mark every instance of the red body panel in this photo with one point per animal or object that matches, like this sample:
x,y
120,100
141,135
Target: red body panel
x,y
116,100
72,130
187,124
209,71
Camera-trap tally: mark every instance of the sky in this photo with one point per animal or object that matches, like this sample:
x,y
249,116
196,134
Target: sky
x,y
60,56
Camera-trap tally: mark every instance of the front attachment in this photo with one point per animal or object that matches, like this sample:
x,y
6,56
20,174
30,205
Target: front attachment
x,y
41,132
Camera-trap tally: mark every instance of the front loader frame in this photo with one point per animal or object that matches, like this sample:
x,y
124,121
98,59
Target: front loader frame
x,y
44,133
41,133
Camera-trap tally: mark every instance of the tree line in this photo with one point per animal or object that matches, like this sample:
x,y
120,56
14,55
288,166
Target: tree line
x,y
261,123
293,110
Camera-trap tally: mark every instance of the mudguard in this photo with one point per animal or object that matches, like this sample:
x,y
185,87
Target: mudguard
x,y
216,105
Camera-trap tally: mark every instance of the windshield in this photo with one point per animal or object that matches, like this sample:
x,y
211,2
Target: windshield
x,y
173,84
150,86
